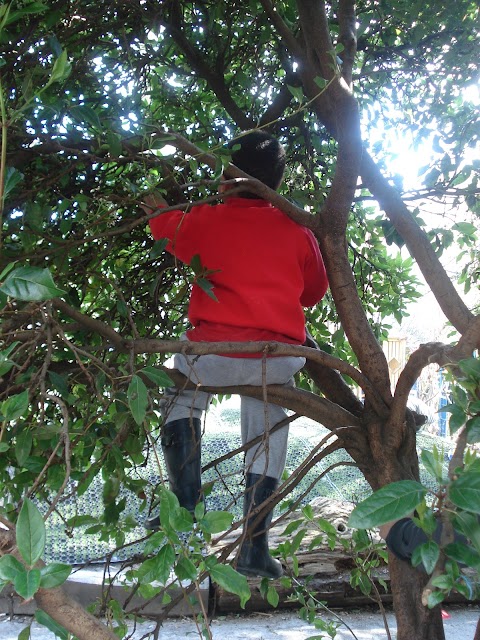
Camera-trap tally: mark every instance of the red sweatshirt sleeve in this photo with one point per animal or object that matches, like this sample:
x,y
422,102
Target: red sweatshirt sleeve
x,y
168,225
315,276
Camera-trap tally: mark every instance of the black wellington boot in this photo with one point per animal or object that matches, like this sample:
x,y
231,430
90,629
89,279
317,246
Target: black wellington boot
x,y
181,446
254,558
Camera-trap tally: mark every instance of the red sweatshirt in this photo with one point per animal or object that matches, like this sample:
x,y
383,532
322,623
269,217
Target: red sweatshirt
x,y
267,268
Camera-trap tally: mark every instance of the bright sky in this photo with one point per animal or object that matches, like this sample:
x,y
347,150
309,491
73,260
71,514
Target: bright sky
x,y
425,312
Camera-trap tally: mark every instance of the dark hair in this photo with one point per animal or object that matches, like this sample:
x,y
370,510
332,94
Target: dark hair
x,y
261,156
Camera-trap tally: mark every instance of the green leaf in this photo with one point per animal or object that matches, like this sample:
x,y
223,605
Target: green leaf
x,y
158,248
23,446
12,178
30,533
362,581
81,520
27,583
30,284
33,7
185,569
434,598
5,364
4,447
15,406
196,264
147,571
199,510
443,582
24,634
181,519
51,624
473,430
394,501
466,228
10,266
474,407
231,581
53,575
470,367
291,527
61,69
137,396
427,520
428,554
457,418
216,521
297,92
467,523
165,562
59,383
464,554
320,82
168,506
111,489
433,463
465,492
307,511
206,286
158,376
84,113
9,568
272,596
114,143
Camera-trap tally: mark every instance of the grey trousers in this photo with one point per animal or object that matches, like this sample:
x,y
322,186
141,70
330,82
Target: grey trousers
x,y
257,417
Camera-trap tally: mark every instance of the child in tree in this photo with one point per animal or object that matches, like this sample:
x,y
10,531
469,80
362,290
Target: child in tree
x,y
264,269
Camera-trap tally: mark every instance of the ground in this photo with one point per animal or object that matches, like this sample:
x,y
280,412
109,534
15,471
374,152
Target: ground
x,y
365,623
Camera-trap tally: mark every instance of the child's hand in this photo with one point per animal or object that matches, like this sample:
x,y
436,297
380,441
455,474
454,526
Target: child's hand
x,y
152,202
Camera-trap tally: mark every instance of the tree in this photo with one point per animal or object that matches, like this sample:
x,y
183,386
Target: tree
x,y
90,105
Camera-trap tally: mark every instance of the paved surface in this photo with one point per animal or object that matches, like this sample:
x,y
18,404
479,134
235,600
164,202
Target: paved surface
x,y
366,624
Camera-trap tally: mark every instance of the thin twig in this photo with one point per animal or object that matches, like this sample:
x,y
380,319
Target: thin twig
x,y
66,442
320,604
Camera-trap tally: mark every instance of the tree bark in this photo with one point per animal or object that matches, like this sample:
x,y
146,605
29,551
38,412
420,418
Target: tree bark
x,y
414,621
71,615
58,604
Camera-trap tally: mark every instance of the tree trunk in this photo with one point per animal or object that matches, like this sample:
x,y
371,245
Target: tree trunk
x,y
385,464
477,632
414,621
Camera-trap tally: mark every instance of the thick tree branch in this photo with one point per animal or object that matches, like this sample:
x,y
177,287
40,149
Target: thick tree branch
x,y
277,107
288,38
417,242
91,324
418,245
297,214
347,36
59,605
215,80
334,387
332,220
319,51
71,615
270,348
336,414
303,402
470,340
331,383
424,355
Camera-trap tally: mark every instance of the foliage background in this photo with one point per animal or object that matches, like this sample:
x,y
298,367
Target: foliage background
x,y
93,95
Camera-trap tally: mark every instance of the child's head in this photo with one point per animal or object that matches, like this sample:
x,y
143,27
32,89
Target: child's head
x,y
261,156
